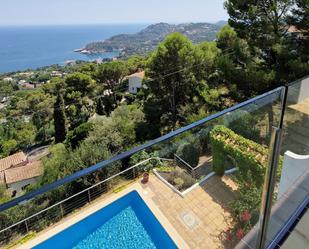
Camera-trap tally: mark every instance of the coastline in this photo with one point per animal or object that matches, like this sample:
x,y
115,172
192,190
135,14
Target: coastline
x,y
31,48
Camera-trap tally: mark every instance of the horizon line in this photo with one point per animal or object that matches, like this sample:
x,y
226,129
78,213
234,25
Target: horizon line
x,y
106,23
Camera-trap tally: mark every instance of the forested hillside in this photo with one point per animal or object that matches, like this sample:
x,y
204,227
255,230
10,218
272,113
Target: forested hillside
x,y
147,39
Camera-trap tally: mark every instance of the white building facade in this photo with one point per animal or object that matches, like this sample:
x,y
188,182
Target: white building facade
x,y
135,82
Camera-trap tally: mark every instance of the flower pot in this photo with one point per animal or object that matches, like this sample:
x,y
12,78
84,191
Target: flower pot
x,y
145,177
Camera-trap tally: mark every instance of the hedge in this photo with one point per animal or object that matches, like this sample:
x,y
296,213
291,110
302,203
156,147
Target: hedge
x,y
251,158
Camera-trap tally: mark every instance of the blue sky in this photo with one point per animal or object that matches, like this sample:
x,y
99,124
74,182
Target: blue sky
x,y
40,12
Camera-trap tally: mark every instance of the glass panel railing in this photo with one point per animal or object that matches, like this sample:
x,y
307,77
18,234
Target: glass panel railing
x,y
204,181
292,179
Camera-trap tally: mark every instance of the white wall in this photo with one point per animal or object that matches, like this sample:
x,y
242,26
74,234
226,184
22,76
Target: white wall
x,y
294,166
17,186
298,92
134,84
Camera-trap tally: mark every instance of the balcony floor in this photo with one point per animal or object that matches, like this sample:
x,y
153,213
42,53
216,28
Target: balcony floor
x,y
200,217
299,238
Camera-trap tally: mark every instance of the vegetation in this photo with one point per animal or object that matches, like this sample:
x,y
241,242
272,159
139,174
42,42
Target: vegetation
x,y
249,157
189,153
180,179
146,40
85,115
178,89
59,119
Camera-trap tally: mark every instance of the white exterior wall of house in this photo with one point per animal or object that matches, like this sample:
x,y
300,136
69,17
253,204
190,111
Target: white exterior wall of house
x,y
8,79
299,91
294,166
17,186
135,83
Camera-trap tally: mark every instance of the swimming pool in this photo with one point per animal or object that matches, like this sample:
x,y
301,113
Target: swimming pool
x,y
126,223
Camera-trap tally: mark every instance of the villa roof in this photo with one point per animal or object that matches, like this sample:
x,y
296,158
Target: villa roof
x,y
140,75
2,181
12,160
31,170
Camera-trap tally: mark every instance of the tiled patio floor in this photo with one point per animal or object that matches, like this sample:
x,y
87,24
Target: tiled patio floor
x,y
199,217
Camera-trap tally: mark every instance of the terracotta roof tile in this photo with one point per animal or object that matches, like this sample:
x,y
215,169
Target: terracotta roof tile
x,y
139,75
31,170
12,160
2,181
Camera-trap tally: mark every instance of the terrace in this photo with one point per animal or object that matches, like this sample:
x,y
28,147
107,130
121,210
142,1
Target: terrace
x,y
222,182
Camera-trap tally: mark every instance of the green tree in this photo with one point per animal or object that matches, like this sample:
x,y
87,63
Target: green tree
x,y
111,74
125,119
298,40
25,134
79,82
59,119
263,24
109,104
41,106
189,153
235,61
75,137
175,54
150,129
100,107
207,53
42,77
6,89
8,147
79,88
135,63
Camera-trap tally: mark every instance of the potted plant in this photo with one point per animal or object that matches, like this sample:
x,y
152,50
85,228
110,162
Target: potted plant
x,y
145,177
146,174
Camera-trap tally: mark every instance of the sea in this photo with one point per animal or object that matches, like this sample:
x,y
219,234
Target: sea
x,y
31,47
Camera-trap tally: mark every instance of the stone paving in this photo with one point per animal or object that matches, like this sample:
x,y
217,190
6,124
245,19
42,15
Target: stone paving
x,y
200,217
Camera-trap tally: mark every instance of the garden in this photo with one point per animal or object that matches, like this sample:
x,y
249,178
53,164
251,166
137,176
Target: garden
x,y
250,158
187,165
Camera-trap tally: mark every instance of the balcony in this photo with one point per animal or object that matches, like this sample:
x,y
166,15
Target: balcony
x,y
236,179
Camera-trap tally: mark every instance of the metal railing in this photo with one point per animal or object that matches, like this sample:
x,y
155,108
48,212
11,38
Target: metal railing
x,y
57,211
66,206
126,154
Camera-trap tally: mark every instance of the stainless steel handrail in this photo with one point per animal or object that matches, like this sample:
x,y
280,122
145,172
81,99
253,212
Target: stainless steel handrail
x,y
126,154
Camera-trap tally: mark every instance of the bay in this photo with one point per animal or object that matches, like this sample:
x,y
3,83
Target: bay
x,y
30,47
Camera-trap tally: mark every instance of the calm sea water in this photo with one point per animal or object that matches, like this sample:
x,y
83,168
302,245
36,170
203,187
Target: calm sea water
x,y
30,47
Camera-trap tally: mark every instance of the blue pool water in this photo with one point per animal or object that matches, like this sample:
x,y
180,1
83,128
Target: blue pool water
x,y
126,223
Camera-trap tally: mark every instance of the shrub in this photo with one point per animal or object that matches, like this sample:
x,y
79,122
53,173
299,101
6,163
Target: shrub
x,y
188,153
246,126
180,179
75,137
250,157
203,136
218,164
178,182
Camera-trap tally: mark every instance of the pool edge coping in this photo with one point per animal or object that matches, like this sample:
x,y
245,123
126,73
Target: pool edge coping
x,y
84,212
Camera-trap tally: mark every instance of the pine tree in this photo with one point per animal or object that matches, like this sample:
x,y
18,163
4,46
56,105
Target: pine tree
x,y
59,119
299,18
266,26
100,107
175,53
263,25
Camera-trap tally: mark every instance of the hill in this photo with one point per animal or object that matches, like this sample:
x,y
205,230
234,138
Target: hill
x,y
147,39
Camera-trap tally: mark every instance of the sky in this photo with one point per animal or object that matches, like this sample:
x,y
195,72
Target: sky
x,y
43,12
